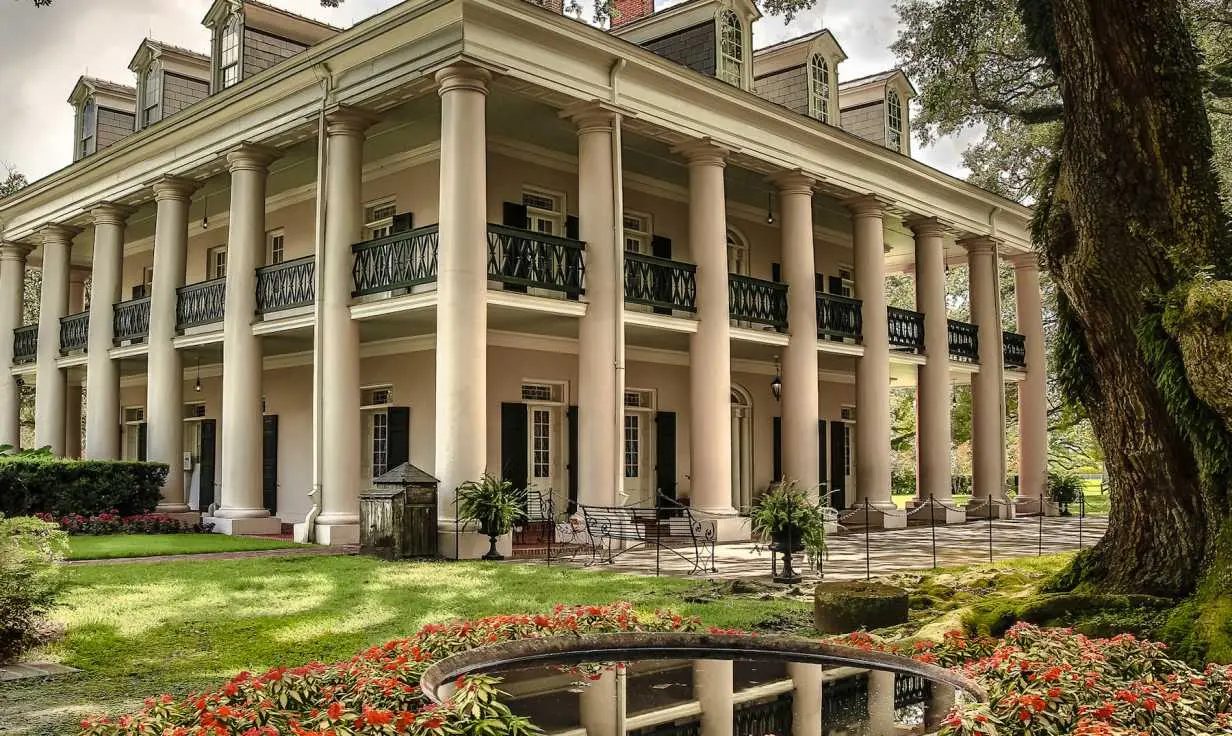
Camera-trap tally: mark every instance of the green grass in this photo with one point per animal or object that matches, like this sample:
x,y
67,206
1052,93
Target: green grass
x,y
111,546
143,629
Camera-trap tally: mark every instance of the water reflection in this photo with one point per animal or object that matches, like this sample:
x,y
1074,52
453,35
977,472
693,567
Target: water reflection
x,y
723,697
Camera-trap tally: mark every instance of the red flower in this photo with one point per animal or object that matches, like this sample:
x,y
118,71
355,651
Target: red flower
x,y
335,711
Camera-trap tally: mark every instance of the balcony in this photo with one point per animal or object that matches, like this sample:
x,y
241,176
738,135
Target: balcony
x,y
839,317
131,321
25,344
286,285
1014,347
906,329
661,283
757,300
200,303
74,332
401,261
964,341
522,260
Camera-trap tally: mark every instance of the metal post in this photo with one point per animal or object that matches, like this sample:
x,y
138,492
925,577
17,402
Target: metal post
x,y
551,525
457,531
1082,514
868,563
932,525
1040,551
658,541
990,522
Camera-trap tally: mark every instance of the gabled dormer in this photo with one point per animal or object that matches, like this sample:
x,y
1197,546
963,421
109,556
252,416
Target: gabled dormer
x,y
169,79
801,74
714,37
250,37
105,113
877,108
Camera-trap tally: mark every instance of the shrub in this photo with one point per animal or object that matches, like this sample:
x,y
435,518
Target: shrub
x,y
30,554
113,523
1064,489
38,484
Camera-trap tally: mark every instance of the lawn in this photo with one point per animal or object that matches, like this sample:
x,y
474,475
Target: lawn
x,y
110,546
143,629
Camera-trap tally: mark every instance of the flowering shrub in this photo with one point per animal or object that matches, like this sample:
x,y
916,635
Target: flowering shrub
x,y
114,523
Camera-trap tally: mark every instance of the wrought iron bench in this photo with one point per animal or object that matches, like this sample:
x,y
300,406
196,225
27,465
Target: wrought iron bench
x,y
540,516
615,530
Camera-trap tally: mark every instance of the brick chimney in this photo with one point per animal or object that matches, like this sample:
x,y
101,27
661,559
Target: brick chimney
x,y
627,11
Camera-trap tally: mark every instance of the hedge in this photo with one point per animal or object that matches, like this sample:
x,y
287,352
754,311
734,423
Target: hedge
x,y
31,485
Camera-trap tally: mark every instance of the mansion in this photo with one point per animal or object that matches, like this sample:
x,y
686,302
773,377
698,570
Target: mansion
x,y
616,265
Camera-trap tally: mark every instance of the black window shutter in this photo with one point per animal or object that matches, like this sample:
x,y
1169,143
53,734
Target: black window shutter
x,y
209,428
776,272
269,463
838,480
573,458
819,282
572,227
141,441
514,215
403,221
836,285
665,456
660,247
777,443
514,445
399,435
139,291
821,460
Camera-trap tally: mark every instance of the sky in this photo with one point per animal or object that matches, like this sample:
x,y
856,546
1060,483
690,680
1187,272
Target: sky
x,y
44,50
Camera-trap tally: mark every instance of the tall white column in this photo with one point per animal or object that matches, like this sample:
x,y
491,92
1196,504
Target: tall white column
x,y
12,289
103,373
714,683
338,522
601,703
600,406
165,381
987,386
806,701
462,282
72,401
49,391
242,510
710,422
800,387
873,368
1033,392
881,704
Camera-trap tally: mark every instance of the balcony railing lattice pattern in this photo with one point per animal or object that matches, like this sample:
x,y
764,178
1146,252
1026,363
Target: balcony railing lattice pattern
x,y
537,261
839,316
286,285
25,344
660,283
400,261
200,303
1014,347
131,320
964,341
906,329
74,332
757,300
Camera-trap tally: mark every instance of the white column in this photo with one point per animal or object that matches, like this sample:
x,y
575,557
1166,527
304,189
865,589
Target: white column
x,y
103,373
601,704
1033,392
462,282
164,410
806,702
987,386
873,368
338,522
242,510
800,387
881,704
714,682
12,287
72,401
600,406
49,391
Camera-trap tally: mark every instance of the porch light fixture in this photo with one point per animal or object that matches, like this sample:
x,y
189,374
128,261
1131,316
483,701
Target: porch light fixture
x,y
197,385
770,208
776,383
205,224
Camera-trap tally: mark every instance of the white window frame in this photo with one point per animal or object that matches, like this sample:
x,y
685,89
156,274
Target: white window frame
x,y
536,216
738,245
729,67
151,86
376,227
820,81
88,135
216,261
275,246
234,27
644,414
846,275
375,402
133,452
638,239
557,449
894,119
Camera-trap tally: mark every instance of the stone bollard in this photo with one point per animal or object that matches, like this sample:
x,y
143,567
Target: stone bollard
x,y
843,607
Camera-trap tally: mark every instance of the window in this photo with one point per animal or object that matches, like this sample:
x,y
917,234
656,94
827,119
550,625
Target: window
x,y
637,233
731,49
89,123
737,253
216,262
229,51
819,88
847,285
541,437
537,392
545,212
274,242
145,288
379,219
380,443
151,96
894,120
633,446
377,396
134,417
194,410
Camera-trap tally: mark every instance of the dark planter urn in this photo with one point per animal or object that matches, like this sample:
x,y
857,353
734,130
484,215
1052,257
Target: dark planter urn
x,y
787,541
493,533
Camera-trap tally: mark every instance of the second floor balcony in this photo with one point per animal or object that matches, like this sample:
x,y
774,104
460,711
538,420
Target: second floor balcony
x,y
200,303
74,333
286,285
131,321
757,301
906,329
25,344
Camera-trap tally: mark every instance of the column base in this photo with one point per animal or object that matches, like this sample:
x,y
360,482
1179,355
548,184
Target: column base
x,y
983,510
1031,507
879,516
942,512
171,508
728,525
330,535
261,525
468,544
187,517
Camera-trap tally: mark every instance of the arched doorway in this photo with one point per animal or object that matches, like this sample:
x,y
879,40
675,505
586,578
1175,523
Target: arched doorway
x,y
741,449
737,253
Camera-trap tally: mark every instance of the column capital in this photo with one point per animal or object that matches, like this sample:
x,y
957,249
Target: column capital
x,y
1026,261
251,157
703,152
348,121
56,233
594,116
926,226
174,188
977,244
14,251
867,205
463,76
794,181
110,213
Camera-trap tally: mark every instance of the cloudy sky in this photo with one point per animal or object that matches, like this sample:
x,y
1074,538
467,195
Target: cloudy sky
x,y
44,50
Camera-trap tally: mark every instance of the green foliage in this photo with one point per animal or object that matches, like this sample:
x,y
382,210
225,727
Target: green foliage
x,y
787,511
1064,489
39,484
492,502
996,616
30,554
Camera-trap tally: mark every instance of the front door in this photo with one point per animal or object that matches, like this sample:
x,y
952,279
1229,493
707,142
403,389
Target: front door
x,y
639,485
543,457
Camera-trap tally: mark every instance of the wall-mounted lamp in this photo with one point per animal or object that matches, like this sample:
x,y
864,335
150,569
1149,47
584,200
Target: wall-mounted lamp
x,y
205,215
770,208
776,383
197,385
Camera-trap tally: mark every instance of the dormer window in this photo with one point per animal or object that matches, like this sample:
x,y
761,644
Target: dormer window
x,y
731,49
894,120
229,51
89,125
819,88
151,96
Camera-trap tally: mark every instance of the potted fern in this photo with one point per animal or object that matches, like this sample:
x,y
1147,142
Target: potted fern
x,y
495,504
1064,489
786,516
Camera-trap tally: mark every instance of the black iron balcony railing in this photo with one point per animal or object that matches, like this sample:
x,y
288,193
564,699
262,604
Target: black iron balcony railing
x,y
964,341
757,300
74,332
25,344
525,259
200,303
906,329
286,285
400,261
839,316
660,283
131,320
1014,347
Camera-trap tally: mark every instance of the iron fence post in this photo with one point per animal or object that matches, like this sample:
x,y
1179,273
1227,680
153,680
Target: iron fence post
x,y
1082,514
658,542
1039,552
991,501
932,525
868,563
